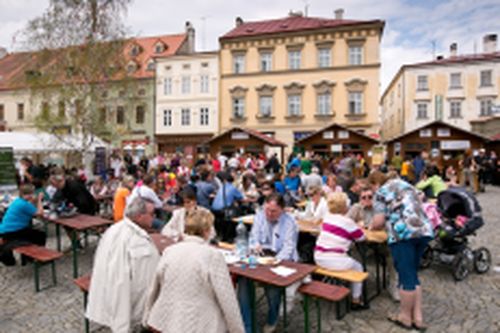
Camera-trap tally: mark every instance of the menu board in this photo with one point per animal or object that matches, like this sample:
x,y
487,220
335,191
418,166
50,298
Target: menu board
x,y
100,161
7,169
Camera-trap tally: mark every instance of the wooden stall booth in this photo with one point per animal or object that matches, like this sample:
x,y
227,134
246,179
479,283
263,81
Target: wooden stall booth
x,y
243,140
445,143
336,140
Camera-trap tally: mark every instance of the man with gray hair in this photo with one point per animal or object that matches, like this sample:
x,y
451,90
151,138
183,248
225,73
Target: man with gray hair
x,y
124,268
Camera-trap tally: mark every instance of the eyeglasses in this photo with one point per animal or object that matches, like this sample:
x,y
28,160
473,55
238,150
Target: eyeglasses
x,y
367,197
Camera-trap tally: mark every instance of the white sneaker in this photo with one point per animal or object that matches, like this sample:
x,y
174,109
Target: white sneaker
x,y
269,328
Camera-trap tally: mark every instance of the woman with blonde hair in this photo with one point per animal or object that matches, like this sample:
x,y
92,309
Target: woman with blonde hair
x,y
192,291
337,233
316,207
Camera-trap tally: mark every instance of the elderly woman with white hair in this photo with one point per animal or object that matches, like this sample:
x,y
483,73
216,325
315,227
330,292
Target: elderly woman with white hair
x,y
192,290
337,233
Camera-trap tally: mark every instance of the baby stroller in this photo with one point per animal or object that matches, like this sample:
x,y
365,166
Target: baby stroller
x,y
461,216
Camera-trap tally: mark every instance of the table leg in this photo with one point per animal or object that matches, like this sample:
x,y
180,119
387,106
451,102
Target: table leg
x,y
318,309
74,246
87,323
58,237
253,308
283,291
306,313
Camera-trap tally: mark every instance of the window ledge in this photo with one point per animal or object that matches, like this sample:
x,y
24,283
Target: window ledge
x,y
238,119
324,116
486,86
263,118
456,117
423,90
355,115
422,118
294,117
456,88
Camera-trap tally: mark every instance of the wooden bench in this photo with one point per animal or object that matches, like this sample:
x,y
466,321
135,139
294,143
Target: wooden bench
x,y
350,275
41,256
320,290
83,283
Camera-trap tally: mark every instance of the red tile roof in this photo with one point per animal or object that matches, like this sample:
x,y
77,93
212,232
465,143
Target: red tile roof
x,y
289,24
459,59
14,65
335,125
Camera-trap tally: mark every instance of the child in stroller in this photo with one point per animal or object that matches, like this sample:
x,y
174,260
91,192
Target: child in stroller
x,y
461,217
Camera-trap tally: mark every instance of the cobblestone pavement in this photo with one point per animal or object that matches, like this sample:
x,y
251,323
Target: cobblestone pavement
x,y
472,305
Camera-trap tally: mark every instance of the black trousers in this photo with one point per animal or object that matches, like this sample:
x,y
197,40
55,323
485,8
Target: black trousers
x,y
226,230
19,238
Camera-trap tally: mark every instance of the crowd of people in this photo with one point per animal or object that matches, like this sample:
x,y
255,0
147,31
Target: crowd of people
x,y
195,203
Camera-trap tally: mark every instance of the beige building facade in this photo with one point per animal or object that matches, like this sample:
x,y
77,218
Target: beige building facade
x,y
290,77
456,90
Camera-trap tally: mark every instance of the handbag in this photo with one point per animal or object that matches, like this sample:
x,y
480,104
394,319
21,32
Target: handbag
x,y
229,212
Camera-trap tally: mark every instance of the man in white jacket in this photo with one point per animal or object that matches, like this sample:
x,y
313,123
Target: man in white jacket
x,y
124,268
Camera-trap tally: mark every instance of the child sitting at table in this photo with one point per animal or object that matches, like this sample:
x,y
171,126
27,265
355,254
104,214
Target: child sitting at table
x,y
337,234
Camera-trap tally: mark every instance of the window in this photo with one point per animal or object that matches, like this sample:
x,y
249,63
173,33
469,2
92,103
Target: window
x,y
421,110
422,83
486,78
139,114
266,106
485,107
134,51
355,103
238,63
455,109
151,66
120,115
294,105
204,64
238,107
121,93
159,48
45,110
324,104
455,80
61,109
204,84
102,115
141,92
2,112
324,57
266,61
355,55
167,86
20,111
294,59
186,85
185,117
204,116
167,117
104,94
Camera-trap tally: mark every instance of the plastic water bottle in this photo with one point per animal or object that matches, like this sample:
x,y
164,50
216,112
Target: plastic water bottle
x,y
241,242
252,257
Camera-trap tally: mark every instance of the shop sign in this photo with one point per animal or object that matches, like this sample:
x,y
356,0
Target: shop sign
x,y
443,132
426,133
337,148
343,134
328,135
397,146
455,144
239,136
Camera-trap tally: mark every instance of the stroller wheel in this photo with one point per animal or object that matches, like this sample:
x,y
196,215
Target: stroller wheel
x,y
427,257
482,260
461,267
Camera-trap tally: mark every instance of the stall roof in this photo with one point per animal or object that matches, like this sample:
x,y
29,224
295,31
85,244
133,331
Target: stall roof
x,y
339,126
256,134
438,122
44,142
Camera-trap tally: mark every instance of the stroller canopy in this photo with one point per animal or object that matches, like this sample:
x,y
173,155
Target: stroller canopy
x,y
456,201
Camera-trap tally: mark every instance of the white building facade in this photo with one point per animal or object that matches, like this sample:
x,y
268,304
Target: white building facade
x,y
186,101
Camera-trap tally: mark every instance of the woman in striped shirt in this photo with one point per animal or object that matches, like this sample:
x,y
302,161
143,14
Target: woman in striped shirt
x,y
337,234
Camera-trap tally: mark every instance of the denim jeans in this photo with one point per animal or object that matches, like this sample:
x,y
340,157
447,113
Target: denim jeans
x,y
273,296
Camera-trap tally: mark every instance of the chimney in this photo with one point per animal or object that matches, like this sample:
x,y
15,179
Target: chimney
x,y
339,14
453,50
3,52
190,37
298,13
490,43
239,21
439,57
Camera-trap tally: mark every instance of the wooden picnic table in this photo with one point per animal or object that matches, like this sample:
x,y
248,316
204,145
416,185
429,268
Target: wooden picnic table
x,y
76,224
263,274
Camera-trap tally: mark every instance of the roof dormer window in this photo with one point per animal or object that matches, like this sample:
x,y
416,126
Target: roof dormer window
x,y
131,67
151,65
135,50
160,47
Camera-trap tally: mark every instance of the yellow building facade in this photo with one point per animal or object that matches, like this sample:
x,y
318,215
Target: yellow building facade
x,y
457,90
292,76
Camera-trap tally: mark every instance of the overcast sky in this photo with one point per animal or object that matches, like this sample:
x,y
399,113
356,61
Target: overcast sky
x,y
412,27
